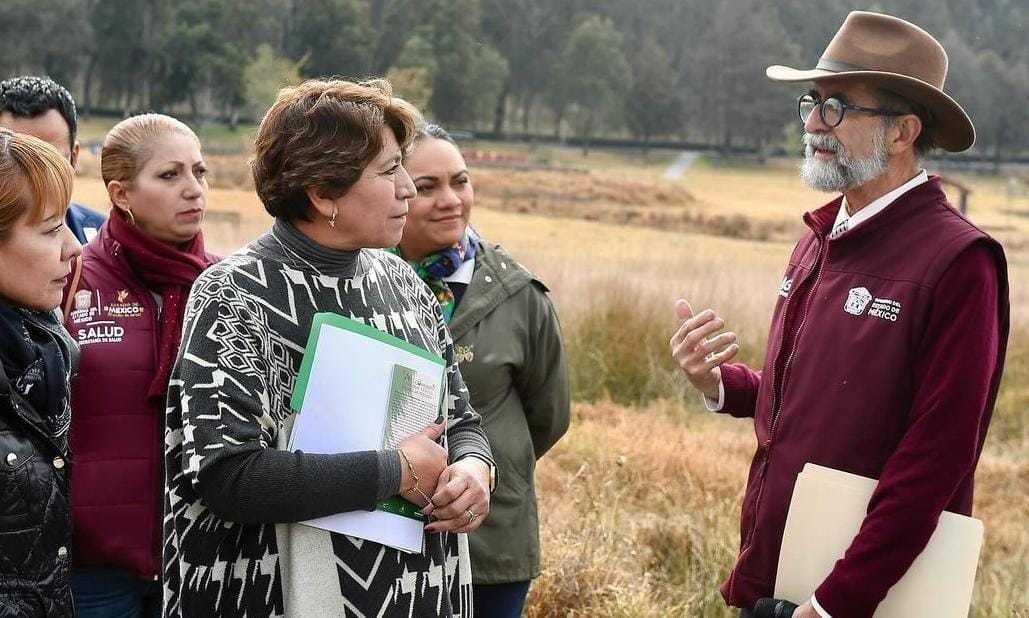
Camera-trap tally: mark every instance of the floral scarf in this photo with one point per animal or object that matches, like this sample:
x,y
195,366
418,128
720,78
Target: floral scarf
x,y
435,267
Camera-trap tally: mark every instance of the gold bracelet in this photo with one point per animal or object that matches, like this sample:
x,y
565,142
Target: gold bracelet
x,y
410,470
415,488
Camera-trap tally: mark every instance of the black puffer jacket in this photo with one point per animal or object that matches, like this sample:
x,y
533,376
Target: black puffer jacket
x,y
35,518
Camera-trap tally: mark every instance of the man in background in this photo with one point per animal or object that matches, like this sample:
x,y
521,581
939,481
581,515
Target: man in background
x,y
41,107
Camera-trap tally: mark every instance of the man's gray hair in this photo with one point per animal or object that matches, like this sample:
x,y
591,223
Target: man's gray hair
x,y
890,100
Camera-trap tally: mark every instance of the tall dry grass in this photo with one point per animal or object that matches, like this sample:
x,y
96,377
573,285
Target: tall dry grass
x,y
637,514
636,198
640,505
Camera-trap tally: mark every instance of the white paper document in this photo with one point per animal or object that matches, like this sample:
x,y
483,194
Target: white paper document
x,y
360,389
826,512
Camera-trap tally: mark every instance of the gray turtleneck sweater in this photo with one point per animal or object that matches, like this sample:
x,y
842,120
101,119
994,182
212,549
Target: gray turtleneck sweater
x,y
234,491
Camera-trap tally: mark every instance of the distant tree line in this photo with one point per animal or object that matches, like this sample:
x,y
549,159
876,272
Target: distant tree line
x,y
650,69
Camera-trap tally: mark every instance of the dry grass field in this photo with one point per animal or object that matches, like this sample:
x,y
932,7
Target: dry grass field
x,y
640,501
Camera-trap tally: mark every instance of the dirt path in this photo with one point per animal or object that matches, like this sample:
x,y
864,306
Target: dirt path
x,y
681,164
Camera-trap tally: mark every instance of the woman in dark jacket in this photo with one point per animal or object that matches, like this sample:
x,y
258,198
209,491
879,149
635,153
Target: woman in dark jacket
x,y
508,343
125,311
36,359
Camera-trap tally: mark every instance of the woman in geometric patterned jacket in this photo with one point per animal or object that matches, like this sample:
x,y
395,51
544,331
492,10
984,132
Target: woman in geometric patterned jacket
x,y
327,166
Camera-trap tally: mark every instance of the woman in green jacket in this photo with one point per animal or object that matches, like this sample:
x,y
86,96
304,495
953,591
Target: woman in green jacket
x,y
508,342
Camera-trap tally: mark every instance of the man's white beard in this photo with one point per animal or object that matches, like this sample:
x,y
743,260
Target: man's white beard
x,y
843,171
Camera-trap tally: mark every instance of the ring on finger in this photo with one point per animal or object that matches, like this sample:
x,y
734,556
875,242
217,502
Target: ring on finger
x,y
472,515
704,346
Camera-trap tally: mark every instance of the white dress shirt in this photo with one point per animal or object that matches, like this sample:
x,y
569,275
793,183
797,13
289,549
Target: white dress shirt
x,y
849,221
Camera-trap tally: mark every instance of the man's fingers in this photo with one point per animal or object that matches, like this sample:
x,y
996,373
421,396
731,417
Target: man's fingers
x,y
717,343
701,358
697,336
718,359
691,324
687,353
680,334
683,354
683,310
703,317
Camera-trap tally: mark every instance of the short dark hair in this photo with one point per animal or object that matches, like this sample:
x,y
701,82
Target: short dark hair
x,y
322,134
893,101
29,96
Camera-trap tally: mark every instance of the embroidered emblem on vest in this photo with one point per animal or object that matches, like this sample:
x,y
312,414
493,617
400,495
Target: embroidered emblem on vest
x,y
885,309
857,301
82,299
785,287
882,308
464,353
84,310
123,307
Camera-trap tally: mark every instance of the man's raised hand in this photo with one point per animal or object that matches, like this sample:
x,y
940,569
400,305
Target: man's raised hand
x,y
698,350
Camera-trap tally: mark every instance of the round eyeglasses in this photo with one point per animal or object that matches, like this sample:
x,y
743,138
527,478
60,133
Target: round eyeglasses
x,y
832,109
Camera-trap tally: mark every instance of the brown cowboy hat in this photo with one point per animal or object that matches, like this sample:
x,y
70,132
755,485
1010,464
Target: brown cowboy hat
x,y
895,55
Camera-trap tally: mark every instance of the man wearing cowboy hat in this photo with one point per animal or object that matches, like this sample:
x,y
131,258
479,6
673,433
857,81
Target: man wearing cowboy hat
x,y
888,337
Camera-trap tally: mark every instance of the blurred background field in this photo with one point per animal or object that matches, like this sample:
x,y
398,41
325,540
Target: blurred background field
x,y
640,502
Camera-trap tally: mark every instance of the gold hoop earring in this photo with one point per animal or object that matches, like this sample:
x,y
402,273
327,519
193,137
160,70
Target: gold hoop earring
x,y
128,213
332,219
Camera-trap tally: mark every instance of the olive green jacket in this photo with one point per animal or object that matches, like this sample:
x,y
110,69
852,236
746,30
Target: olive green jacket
x,y
507,341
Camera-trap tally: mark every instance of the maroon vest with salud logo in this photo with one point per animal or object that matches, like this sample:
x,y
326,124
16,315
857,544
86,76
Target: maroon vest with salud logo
x,y
117,439
837,384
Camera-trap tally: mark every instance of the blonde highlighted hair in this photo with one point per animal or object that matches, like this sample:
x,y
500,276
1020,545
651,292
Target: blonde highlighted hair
x,y
33,175
130,144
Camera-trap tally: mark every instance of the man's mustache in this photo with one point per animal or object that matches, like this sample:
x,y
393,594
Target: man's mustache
x,y
821,141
